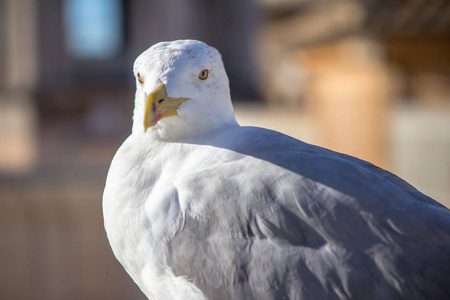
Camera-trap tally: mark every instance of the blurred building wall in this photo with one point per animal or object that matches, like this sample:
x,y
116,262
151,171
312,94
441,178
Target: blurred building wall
x,y
358,67
18,144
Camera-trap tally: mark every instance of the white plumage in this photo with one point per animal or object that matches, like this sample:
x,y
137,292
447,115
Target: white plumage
x,y
197,207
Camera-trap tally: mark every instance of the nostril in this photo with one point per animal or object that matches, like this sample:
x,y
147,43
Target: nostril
x,y
160,101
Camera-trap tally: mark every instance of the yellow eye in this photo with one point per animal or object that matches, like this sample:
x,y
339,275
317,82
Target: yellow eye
x,y
203,74
139,78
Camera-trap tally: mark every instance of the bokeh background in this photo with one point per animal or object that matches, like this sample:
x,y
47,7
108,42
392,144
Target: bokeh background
x,y
370,78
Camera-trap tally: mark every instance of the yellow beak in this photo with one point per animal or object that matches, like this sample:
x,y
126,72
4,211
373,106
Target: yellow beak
x,y
158,106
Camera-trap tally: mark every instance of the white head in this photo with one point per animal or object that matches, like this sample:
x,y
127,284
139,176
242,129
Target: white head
x,y
182,91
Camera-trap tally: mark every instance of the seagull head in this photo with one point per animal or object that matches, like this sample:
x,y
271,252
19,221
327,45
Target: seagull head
x,y
182,91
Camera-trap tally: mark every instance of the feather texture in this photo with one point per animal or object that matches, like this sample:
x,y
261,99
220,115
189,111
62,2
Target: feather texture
x,y
230,212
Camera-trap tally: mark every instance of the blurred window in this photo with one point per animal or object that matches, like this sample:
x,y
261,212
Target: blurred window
x,y
94,28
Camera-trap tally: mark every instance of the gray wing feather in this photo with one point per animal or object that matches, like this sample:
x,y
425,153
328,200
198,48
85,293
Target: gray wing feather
x,y
294,221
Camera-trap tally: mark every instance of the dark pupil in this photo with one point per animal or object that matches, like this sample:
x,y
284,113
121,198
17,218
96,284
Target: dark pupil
x,y
203,73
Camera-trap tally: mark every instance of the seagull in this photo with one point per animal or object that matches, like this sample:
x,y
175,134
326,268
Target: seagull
x,y
198,207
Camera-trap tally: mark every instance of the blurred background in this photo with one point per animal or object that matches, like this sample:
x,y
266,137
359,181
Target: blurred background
x,y
370,78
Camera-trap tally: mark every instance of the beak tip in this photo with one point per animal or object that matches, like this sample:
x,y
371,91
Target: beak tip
x,y
159,106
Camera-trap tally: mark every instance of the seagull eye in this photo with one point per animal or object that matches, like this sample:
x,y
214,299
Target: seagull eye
x,y
139,78
203,74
